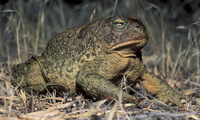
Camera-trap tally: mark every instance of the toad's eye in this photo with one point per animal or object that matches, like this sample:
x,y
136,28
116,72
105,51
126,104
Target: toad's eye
x,y
119,24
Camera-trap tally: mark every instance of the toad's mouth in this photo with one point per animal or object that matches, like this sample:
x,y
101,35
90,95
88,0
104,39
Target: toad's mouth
x,y
129,42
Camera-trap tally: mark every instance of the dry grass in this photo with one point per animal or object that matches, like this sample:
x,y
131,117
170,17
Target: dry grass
x,y
172,52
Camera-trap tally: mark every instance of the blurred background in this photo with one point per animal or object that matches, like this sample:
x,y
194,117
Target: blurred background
x,y
173,29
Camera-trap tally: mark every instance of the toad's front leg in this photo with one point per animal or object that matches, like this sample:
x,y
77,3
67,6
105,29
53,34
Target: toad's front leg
x,y
95,78
98,86
157,86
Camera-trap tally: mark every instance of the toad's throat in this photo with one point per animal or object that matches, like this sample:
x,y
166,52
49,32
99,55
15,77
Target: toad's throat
x,y
127,43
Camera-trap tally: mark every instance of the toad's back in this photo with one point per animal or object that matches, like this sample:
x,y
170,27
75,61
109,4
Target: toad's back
x,y
60,61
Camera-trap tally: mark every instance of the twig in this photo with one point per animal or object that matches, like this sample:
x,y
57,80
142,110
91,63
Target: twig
x,y
150,114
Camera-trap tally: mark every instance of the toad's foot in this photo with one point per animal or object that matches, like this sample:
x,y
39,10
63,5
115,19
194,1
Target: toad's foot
x,y
155,85
169,95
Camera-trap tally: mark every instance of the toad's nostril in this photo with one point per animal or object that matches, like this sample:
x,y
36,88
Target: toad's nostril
x,y
137,26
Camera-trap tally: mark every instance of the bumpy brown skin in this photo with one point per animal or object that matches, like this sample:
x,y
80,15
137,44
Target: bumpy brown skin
x,y
95,56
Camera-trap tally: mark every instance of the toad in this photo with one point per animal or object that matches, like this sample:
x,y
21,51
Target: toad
x,y
95,57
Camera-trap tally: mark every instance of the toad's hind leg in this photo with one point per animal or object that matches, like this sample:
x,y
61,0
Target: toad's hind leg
x,y
28,74
157,86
